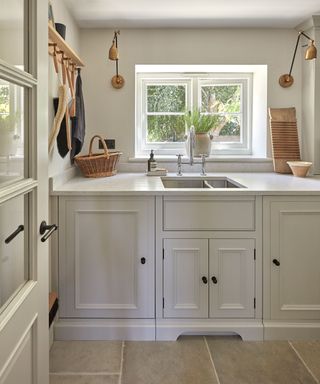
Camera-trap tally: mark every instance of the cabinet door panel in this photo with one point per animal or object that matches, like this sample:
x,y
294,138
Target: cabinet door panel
x,y
102,272
185,264
231,266
295,243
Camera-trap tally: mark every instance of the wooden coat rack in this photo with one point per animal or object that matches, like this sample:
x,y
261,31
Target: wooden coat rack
x,y
64,55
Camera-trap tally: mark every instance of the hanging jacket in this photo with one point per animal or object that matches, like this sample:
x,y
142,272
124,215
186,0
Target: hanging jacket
x,y
62,105
78,121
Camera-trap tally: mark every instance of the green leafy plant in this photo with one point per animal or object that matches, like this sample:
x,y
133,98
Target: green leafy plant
x,y
202,123
8,125
8,122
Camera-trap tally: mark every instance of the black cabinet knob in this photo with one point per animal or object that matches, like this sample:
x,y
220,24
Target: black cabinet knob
x,y
276,262
143,260
204,280
214,280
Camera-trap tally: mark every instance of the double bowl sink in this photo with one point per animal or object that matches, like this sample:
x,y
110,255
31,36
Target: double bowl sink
x,y
199,182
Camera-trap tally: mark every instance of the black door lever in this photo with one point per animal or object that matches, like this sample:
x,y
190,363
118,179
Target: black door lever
x,y
47,230
14,234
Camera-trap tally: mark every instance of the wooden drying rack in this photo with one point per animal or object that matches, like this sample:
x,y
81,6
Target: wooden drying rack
x,y
64,55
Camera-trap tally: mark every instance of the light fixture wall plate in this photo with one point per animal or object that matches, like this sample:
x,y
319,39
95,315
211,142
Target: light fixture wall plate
x,y
286,80
117,81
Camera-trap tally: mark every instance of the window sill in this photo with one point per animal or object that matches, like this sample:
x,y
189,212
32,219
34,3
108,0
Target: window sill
x,y
211,159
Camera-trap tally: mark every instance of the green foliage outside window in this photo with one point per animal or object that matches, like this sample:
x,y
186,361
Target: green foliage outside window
x,y
220,112
4,100
225,102
166,98
165,106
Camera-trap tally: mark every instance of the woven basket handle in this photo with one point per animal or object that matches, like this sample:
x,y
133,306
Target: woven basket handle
x,y
105,148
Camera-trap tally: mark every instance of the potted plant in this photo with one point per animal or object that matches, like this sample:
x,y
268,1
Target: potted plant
x,y
8,138
203,124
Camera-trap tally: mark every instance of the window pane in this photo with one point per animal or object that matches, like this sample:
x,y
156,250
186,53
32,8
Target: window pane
x,y
12,32
227,129
166,98
11,132
14,258
164,128
221,98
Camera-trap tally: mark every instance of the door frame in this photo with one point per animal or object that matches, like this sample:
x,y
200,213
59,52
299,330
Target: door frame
x,y
24,322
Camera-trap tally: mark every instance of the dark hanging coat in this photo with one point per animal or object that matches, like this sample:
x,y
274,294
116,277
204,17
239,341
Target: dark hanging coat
x,y
62,135
78,121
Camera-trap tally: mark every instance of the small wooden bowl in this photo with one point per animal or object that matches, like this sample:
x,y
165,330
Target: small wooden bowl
x,y
299,168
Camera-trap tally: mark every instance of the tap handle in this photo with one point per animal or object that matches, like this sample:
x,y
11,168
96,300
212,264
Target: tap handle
x,y
203,158
203,164
179,162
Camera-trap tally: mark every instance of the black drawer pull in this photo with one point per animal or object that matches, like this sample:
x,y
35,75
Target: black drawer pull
x,y
276,262
143,260
14,234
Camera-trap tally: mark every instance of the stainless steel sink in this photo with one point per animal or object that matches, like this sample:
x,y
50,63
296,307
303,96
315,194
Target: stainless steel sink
x,y
199,183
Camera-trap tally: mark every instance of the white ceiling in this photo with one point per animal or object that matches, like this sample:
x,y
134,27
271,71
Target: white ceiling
x,y
192,13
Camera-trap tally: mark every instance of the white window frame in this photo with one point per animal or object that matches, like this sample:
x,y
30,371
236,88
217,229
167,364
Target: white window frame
x,y
141,113
253,79
244,146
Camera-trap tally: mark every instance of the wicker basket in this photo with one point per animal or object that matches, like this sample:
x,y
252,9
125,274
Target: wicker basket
x,y
98,164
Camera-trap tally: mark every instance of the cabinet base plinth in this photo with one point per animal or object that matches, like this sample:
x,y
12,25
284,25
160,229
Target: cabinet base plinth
x,y
106,329
281,330
173,328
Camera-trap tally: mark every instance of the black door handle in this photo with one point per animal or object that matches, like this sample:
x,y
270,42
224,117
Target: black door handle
x,y
46,230
14,234
276,262
214,280
204,280
143,260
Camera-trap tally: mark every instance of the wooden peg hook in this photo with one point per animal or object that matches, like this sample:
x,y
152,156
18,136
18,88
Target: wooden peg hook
x,y
54,56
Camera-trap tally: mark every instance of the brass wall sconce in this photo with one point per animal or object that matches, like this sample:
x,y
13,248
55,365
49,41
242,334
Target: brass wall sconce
x,y
117,81
287,80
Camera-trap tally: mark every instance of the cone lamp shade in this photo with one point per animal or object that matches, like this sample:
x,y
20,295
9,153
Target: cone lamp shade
x,y
113,51
311,52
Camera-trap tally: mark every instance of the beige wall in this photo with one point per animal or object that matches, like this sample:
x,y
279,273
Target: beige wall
x,y
111,112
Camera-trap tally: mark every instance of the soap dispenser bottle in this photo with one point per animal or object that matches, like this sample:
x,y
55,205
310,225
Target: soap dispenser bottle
x,y
152,164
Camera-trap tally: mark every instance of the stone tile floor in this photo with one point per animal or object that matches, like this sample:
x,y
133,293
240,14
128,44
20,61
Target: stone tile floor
x,y
190,360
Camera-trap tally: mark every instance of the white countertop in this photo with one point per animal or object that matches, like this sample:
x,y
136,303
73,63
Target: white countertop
x,y
140,184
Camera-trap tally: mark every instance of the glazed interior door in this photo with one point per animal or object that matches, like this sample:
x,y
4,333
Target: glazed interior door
x,y
23,192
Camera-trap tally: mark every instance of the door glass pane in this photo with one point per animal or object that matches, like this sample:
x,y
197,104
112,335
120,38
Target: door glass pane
x,y
12,32
11,132
14,263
